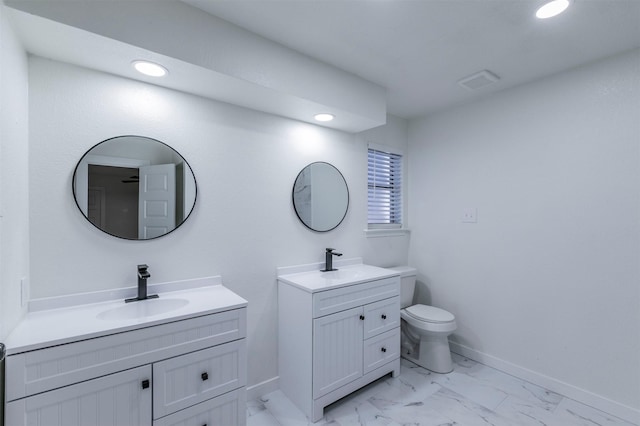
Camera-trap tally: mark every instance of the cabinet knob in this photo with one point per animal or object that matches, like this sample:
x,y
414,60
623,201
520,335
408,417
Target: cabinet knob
x,y
145,384
205,376
384,316
383,349
362,317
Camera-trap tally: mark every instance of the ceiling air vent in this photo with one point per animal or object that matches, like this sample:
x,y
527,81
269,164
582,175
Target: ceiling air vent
x,y
478,80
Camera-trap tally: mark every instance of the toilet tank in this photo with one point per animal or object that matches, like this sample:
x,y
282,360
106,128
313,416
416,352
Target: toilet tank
x,y
407,284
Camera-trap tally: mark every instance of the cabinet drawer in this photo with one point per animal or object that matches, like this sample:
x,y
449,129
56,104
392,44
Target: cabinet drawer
x,y
381,316
339,299
228,409
42,370
116,399
195,377
381,349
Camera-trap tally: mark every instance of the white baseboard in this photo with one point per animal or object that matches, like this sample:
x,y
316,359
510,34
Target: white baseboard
x,y
622,411
258,390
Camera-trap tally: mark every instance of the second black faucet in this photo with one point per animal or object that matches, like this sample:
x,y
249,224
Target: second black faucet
x,y
328,260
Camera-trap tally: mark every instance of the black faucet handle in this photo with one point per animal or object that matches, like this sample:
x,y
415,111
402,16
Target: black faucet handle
x,y
142,271
330,251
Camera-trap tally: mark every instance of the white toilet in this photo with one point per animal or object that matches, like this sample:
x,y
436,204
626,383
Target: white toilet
x,y
425,329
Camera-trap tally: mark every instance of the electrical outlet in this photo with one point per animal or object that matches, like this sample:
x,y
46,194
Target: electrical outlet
x,y
24,291
469,215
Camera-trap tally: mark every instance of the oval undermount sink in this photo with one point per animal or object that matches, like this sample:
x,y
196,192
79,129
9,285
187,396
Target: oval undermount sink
x,y
142,309
342,274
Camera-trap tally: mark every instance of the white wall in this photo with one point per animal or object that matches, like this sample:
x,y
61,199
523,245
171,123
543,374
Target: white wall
x,y
14,152
547,282
243,226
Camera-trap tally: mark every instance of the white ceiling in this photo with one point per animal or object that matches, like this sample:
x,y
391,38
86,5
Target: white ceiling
x,y
418,50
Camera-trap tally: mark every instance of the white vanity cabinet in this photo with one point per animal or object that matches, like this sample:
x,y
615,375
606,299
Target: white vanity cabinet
x,y
186,371
334,339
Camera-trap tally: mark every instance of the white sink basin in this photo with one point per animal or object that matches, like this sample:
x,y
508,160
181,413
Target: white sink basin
x,y
142,309
342,274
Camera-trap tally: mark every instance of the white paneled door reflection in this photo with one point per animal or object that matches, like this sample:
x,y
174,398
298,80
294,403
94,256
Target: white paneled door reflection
x,y
157,200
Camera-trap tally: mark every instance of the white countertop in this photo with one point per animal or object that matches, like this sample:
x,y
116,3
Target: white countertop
x,y
54,321
351,271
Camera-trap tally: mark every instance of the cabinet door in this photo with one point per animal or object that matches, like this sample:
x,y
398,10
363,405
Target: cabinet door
x,y
117,399
337,350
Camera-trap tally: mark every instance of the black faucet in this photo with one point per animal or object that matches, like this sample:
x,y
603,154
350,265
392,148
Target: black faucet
x,y
143,274
328,260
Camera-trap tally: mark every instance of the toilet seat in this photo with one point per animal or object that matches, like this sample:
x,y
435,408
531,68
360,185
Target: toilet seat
x,y
430,314
429,326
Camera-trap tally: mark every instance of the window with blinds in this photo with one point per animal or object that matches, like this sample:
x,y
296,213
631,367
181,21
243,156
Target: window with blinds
x,y
385,189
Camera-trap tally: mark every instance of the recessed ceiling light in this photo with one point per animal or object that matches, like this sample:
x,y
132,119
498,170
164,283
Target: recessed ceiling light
x,y
149,68
552,8
324,117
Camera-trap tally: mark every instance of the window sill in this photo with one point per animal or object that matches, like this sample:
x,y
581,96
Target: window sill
x,y
391,232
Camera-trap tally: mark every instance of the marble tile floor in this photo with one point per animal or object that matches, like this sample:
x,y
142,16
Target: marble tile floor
x,y
473,394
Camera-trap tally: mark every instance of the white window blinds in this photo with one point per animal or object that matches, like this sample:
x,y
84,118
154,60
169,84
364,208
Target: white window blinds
x,y
385,188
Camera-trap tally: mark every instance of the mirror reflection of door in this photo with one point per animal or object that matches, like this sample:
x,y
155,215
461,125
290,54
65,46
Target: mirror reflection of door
x,y
156,200
132,202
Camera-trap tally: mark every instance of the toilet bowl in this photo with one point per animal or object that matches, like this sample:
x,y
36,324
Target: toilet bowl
x,y
425,329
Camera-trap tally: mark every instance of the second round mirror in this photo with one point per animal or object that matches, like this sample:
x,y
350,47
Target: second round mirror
x,y
320,196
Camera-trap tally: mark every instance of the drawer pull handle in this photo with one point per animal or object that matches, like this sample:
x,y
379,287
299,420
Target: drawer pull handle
x,y
384,316
383,349
145,384
362,317
205,376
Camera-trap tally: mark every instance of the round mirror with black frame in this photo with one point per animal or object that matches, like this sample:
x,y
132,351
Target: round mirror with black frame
x,y
320,196
134,187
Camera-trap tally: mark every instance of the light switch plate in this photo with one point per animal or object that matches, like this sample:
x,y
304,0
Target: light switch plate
x,y
469,215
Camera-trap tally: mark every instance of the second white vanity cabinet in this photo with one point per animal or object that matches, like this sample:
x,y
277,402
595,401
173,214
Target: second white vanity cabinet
x,y
184,370
336,334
